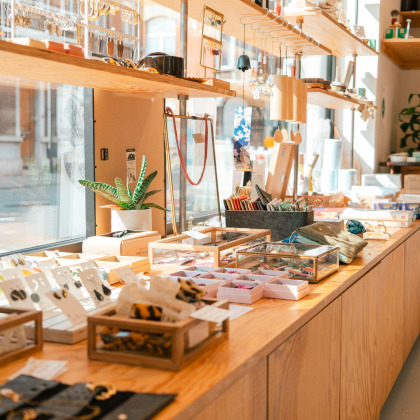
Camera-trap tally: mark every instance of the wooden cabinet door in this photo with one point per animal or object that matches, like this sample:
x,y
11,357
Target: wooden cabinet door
x,y
246,399
411,292
304,372
359,348
372,338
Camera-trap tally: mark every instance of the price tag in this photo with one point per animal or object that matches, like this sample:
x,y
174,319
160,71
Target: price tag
x,y
195,234
211,314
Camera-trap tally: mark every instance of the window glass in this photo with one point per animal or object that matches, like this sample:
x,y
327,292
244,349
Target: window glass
x,y
42,157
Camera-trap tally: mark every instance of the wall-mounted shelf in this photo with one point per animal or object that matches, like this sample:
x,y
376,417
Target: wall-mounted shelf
x,y
331,33
405,53
414,16
233,10
36,64
332,100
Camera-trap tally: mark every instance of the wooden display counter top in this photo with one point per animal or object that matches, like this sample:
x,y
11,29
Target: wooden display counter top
x,y
231,379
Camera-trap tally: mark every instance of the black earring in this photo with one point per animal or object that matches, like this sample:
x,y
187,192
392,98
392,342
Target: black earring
x,y
106,290
18,295
78,284
98,295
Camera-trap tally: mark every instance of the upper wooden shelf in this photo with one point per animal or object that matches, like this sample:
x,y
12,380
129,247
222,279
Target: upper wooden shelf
x,y
332,100
414,16
233,10
37,64
405,53
331,33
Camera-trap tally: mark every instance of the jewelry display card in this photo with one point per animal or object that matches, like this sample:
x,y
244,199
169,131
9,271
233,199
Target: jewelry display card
x,y
39,287
98,291
10,273
69,305
47,264
87,265
127,275
17,293
64,277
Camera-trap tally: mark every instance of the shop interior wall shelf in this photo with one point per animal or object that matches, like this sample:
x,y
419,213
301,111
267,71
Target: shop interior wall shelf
x,y
37,64
233,10
405,53
332,100
324,28
414,16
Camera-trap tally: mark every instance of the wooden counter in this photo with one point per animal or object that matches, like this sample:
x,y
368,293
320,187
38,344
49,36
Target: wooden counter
x,y
334,354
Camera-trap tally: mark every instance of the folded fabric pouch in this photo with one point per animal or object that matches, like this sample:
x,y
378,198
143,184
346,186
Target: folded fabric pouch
x,y
326,234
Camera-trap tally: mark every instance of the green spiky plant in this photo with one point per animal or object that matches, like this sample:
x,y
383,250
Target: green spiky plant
x,y
410,119
123,197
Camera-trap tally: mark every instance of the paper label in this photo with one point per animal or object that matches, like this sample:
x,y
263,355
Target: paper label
x,y
131,165
42,369
211,314
195,234
235,311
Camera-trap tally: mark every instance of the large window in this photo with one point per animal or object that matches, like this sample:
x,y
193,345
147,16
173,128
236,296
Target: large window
x,y
46,143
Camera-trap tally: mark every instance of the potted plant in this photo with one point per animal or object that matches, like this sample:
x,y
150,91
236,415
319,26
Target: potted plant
x,y
410,124
130,208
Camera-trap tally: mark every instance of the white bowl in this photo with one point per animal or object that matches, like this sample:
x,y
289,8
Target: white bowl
x,y
398,159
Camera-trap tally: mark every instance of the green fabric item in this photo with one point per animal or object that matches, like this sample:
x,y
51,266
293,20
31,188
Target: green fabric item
x,y
326,234
302,240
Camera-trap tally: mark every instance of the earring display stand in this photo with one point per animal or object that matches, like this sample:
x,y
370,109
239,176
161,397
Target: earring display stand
x,y
16,318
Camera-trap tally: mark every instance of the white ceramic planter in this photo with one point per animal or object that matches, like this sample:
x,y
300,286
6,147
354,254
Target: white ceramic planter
x,y
131,220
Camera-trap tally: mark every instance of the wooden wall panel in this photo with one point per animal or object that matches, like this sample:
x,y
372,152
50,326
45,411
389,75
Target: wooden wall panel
x,y
359,348
123,122
411,292
245,400
304,372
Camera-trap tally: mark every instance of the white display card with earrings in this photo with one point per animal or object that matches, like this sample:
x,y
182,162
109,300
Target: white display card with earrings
x,y
69,306
65,279
17,293
98,290
39,287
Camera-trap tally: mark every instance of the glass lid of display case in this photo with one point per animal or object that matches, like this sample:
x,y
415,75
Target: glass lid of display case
x,y
214,237
289,249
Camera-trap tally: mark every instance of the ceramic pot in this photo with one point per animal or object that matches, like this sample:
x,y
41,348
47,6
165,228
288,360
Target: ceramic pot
x,y
131,220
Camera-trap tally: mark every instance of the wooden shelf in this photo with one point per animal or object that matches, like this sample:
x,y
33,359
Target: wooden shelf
x,y
405,53
332,100
233,10
321,26
36,64
414,16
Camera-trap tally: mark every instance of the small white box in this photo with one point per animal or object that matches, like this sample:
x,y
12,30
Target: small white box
x,y
382,180
284,288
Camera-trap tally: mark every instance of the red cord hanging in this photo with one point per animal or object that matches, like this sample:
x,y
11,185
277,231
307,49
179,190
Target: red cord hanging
x,y
181,159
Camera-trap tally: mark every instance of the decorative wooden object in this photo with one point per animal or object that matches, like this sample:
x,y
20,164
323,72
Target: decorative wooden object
x,y
16,318
175,243
331,33
279,171
405,53
209,13
332,100
36,64
181,354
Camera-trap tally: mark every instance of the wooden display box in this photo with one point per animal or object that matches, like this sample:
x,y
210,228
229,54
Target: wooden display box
x,y
137,264
16,318
188,338
179,252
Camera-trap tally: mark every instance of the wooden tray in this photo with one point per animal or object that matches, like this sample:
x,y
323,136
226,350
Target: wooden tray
x,y
180,353
20,317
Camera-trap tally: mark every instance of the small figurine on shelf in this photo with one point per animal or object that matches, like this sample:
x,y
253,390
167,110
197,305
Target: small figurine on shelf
x,y
395,17
394,30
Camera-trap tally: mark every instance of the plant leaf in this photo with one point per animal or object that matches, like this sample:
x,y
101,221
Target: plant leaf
x,y
149,205
145,197
410,111
136,193
145,185
410,97
121,191
404,126
128,189
100,187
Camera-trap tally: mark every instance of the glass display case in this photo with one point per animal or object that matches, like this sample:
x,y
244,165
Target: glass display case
x,y
212,247
308,262
98,28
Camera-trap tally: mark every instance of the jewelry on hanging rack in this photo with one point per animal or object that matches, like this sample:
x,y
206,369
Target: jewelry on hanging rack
x,y
100,44
91,41
110,46
120,48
